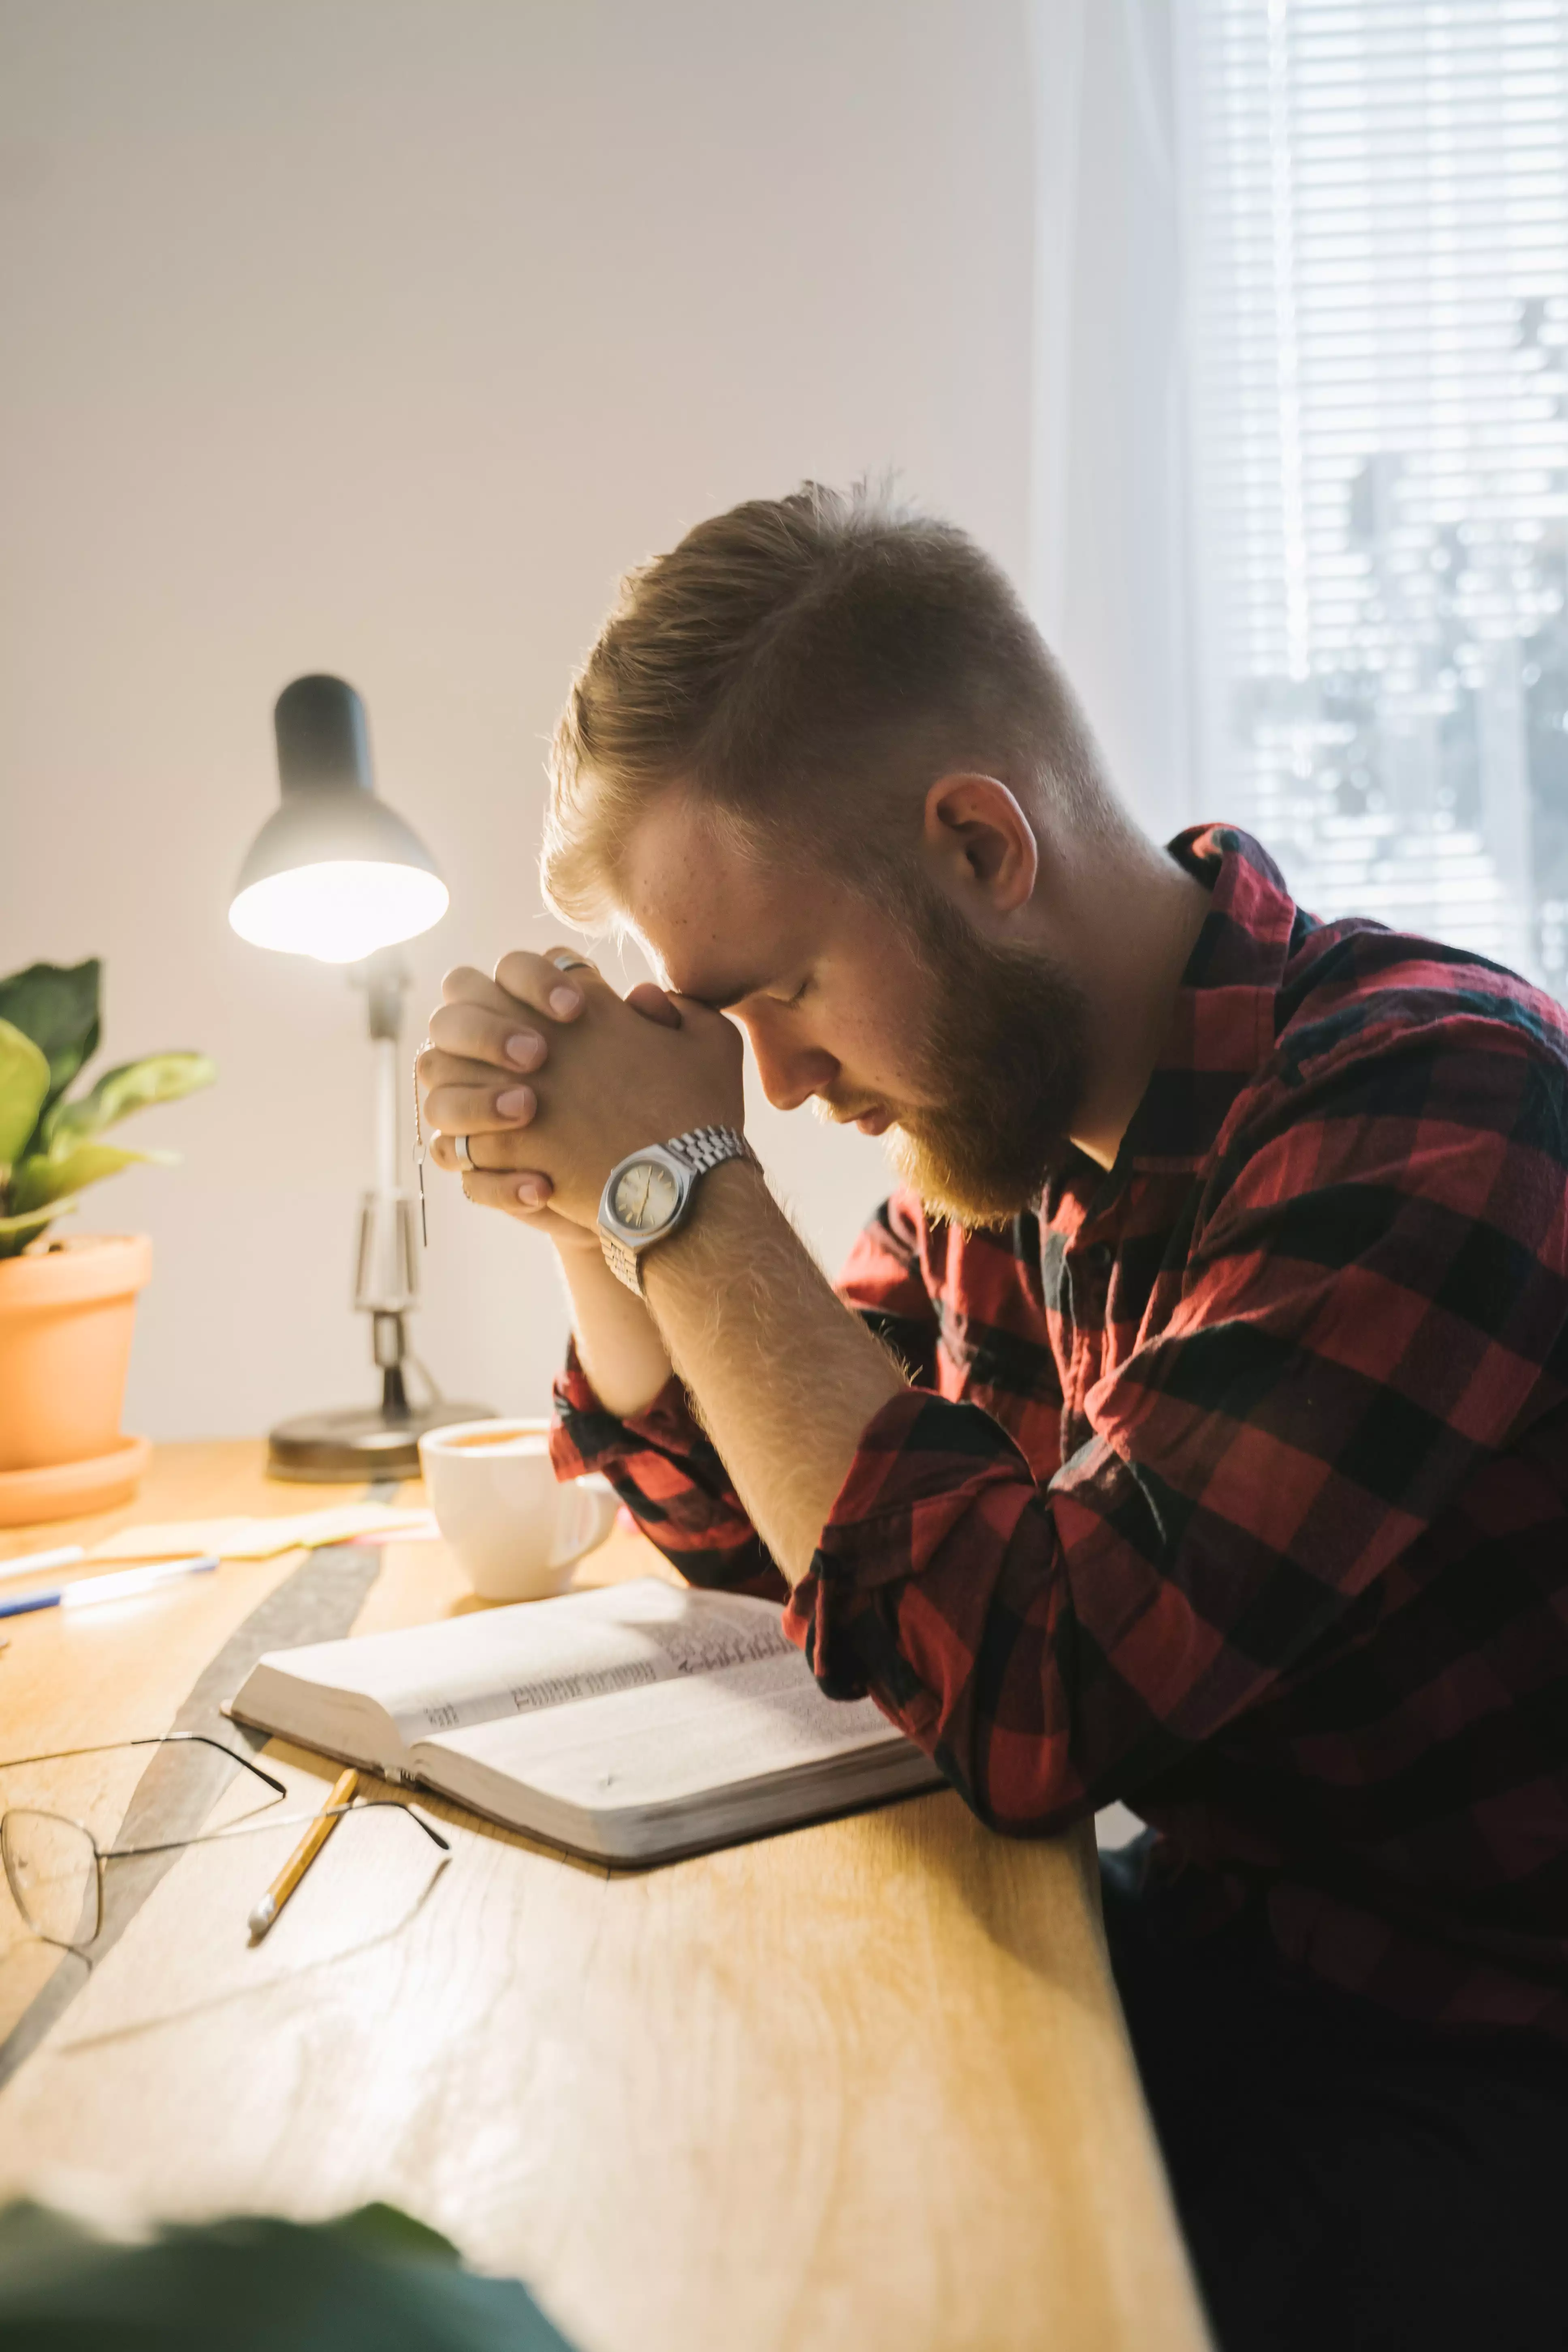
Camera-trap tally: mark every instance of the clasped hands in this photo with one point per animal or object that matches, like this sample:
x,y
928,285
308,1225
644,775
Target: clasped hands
x,y
553,1078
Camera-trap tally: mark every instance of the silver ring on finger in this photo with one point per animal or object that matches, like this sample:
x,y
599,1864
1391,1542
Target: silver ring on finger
x,y
565,962
465,1158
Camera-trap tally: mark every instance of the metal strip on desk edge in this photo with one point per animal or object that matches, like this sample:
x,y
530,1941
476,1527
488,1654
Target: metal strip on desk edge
x,y
317,1604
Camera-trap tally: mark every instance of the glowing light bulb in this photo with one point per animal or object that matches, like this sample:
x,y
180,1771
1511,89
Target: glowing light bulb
x,y
339,911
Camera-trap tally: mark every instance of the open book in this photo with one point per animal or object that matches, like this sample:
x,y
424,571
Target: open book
x,y
633,1723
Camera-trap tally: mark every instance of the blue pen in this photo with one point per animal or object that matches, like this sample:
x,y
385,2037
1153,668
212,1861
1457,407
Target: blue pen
x,y
124,1585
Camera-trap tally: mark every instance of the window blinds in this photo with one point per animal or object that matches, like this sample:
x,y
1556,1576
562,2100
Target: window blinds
x,y
1377,234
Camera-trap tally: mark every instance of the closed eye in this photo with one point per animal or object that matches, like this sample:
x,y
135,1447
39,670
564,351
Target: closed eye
x,y
732,1000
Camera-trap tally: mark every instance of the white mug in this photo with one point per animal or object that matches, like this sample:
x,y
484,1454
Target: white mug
x,y
514,1529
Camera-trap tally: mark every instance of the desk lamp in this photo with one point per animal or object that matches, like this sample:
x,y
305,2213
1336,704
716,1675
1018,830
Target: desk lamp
x,y
335,874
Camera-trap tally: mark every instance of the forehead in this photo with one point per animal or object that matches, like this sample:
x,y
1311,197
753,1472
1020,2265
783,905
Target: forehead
x,y
721,916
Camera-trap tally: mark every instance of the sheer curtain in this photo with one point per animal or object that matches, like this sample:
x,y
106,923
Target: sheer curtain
x,y
1108,511
1375,237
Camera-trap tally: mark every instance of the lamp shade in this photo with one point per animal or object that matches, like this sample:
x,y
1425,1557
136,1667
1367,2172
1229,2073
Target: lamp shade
x,y
333,873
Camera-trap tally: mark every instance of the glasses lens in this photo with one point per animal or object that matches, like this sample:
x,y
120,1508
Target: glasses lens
x,y
52,1871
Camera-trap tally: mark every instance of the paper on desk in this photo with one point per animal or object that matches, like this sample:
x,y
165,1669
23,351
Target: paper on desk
x,y
255,1538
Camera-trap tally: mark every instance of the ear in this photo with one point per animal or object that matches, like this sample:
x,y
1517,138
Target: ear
x,y
982,842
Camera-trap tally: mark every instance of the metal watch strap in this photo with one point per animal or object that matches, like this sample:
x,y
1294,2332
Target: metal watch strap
x,y
703,1148
622,1262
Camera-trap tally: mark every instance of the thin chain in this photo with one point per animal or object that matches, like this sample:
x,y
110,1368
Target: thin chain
x,y
419,1155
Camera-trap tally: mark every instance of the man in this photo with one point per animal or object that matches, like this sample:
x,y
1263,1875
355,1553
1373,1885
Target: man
x,y
1191,1427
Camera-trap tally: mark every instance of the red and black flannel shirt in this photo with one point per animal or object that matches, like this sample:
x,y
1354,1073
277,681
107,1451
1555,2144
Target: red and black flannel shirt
x,y
1234,1484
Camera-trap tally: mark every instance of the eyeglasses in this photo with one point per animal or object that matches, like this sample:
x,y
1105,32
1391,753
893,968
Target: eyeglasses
x,y
55,1866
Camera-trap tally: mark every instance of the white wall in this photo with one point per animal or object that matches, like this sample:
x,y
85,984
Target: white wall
x,y
378,336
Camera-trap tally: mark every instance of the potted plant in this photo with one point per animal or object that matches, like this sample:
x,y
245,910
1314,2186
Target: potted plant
x,y
67,1306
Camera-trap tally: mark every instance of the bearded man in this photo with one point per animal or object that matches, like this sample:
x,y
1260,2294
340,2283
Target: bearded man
x,y
1189,1428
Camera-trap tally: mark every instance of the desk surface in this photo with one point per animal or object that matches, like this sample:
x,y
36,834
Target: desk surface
x,y
863,2085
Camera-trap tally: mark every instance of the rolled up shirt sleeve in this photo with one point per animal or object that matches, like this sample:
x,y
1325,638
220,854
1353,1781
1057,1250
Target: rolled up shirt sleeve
x,y
1372,1296
670,1479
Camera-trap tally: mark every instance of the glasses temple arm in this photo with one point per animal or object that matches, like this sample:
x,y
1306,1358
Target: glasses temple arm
x,y
158,1739
280,1821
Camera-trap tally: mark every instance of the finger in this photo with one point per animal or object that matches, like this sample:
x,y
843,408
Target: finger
x,y
535,980
433,1069
519,1196
653,1005
480,1111
493,1151
506,1040
571,961
464,985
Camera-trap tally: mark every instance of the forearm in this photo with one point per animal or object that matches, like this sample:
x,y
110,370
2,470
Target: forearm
x,y
784,1374
617,1339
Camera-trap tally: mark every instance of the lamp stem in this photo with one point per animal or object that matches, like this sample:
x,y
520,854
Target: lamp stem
x,y
387,1279
387,1077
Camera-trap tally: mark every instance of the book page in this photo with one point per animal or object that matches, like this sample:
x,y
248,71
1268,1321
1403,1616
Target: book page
x,y
667,1743
541,1655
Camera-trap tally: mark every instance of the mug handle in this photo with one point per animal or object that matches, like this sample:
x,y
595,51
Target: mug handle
x,y
585,1514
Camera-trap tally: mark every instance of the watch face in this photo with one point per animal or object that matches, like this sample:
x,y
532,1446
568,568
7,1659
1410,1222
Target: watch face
x,y
645,1198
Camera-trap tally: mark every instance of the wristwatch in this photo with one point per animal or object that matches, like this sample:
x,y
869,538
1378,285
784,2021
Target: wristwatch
x,y
649,1196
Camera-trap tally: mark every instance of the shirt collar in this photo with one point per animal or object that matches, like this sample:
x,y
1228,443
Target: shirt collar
x,y
1221,1025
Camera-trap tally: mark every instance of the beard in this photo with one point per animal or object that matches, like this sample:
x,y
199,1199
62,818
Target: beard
x,y
1003,1065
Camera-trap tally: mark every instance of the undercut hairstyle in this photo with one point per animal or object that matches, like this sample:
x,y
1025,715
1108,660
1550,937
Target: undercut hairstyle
x,y
799,665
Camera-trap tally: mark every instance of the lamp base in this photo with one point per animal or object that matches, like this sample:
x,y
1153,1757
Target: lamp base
x,y
360,1444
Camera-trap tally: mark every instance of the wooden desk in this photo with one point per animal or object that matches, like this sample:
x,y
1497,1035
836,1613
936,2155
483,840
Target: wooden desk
x,y
862,2086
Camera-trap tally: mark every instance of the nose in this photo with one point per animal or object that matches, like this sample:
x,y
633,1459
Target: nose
x,y
790,1072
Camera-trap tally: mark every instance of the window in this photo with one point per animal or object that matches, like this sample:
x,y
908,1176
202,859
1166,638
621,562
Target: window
x,y
1378,243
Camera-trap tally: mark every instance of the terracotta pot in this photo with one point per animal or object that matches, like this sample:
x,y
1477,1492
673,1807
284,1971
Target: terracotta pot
x,y
66,1318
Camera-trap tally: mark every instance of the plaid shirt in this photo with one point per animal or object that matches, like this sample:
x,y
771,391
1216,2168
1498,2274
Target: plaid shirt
x,y
1234,1482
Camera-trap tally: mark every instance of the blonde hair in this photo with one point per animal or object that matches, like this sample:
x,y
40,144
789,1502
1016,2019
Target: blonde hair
x,y
794,664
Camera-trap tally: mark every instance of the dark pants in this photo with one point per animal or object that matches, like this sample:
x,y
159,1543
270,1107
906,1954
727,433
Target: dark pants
x,y
1347,2182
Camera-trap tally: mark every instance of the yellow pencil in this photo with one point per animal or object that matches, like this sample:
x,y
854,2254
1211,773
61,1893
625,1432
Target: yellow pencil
x,y
300,1861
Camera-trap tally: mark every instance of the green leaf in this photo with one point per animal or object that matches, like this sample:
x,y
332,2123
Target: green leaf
x,y
16,1233
24,1086
31,1217
381,2229
49,1176
134,1085
57,1006
251,2280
